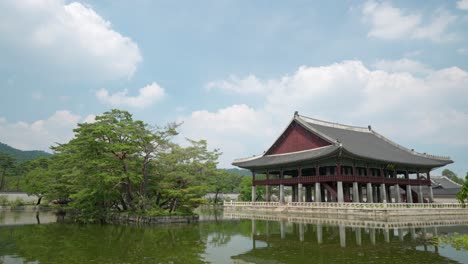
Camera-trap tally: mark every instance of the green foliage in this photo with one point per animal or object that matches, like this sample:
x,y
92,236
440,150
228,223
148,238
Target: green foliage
x,y
121,164
4,200
452,176
457,241
246,190
462,195
17,202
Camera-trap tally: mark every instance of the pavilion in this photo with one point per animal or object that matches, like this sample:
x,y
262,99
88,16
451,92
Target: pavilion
x,y
341,163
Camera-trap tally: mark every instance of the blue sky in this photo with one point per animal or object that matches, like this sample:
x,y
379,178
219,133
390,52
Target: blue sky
x,y
235,71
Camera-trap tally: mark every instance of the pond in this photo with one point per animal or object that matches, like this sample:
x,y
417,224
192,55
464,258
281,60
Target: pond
x,y
27,237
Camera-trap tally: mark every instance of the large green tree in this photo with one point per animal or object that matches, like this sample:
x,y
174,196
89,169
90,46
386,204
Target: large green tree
x,y
118,163
462,195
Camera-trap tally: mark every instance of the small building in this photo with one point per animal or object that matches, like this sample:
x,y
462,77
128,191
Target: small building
x,y
325,161
444,189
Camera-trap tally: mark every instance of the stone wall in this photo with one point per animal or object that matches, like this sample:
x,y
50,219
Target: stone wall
x,y
138,219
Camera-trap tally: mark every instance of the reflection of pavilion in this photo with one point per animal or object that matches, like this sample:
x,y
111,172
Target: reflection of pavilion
x,y
296,242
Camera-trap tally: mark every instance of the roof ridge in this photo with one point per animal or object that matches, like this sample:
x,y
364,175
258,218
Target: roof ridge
x,y
247,159
411,151
335,125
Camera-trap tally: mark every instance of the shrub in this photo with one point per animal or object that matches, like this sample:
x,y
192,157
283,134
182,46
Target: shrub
x,y
4,200
18,202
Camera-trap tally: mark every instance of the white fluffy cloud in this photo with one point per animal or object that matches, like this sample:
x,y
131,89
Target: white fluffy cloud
x,y
427,109
389,22
403,65
70,38
147,96
40,134
462,4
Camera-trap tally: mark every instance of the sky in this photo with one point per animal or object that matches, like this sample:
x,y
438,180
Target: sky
x,y
234,71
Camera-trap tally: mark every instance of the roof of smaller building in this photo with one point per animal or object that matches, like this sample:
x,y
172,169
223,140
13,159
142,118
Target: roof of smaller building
x,y
444,182
358,141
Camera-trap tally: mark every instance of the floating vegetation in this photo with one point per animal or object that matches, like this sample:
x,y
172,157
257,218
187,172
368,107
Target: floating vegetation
x,y
456,240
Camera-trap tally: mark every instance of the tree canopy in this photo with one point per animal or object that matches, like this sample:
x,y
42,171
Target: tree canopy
x,y
121,164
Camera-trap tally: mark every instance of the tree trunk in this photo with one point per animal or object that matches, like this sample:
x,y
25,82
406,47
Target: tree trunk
x,y
216,197
39,200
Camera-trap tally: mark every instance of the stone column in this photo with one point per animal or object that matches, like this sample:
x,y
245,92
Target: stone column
x,y
397,193
420,194
355,192
299,192
377,194
281,189
389,196
361,193
267,193
409,195
318,192
431,195
308,193
369,193
254,194
294,194
383,193
339,186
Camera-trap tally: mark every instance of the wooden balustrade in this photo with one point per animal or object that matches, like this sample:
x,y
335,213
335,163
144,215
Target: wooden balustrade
x,y
342,178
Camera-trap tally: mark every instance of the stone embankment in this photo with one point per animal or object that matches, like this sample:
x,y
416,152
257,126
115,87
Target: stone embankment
x,y
357,210
140,219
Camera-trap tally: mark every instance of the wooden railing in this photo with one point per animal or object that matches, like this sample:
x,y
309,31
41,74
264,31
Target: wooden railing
x,y
347,178
344,205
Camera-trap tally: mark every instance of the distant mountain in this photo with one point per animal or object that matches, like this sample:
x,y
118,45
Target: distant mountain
x,y
21,155
240,171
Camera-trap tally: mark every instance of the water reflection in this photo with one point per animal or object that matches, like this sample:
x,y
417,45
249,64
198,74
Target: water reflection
x,y
228,238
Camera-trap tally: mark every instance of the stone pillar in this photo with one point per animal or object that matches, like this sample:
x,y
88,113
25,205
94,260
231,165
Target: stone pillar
x,y
308,193
267,193
346,192
299,192
383,193
281,189
355,192
420,194
397,193
377,194
409,195
361,193
318,192
369,193
294,194
389,196
339,187
254,194
431,195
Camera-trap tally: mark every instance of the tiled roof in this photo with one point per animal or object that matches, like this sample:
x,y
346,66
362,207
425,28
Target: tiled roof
x,y
358,141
